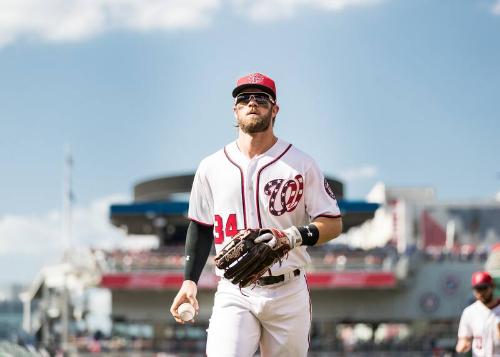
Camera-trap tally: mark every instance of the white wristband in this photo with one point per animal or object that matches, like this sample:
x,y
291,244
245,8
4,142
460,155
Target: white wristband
x,y
294,236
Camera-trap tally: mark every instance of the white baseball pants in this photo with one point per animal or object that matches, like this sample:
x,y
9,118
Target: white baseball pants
x,y
275,317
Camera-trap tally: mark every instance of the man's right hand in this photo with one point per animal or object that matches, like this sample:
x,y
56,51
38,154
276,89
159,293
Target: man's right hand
x,y
187,293
464,344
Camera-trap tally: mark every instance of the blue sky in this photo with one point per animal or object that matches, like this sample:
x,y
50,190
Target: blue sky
x,y
403,92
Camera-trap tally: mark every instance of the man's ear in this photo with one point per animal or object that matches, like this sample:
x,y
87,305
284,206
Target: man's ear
x,y
275,110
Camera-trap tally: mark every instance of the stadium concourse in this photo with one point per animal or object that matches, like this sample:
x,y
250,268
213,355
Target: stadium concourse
x,y
395,281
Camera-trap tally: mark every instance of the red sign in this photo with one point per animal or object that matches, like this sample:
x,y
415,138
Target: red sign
x,y
351,280
434,234
315,280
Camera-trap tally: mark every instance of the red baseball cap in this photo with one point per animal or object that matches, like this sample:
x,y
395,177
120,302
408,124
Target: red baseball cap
x,y
258,80
481,279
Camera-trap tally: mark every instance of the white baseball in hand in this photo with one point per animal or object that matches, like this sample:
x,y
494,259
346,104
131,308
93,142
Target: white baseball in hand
x,y
186,311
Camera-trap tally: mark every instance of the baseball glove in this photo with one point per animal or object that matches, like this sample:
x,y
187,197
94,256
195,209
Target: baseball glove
x,y
251,253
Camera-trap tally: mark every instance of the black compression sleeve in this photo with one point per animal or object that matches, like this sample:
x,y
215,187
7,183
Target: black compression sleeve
x,y
199,240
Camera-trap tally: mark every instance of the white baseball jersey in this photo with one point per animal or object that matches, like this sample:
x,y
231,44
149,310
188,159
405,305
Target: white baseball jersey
x,y
480,322
277,189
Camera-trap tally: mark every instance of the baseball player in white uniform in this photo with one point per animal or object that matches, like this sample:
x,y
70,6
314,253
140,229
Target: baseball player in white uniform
x,y
258,181
479,325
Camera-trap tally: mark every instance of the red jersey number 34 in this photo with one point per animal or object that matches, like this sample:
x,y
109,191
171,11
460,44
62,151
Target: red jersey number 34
x,y
221,230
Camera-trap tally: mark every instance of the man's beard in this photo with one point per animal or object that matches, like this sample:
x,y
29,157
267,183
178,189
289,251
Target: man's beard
x,y
256,125
487,299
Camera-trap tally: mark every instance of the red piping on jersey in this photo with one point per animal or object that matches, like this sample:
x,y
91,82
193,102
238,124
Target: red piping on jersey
x,y
242,188
258,179
310,312
199,222
328,216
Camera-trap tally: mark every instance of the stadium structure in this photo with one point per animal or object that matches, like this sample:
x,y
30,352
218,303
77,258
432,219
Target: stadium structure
x,y
396,280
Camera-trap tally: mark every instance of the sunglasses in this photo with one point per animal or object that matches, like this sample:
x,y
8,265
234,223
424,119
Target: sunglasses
x,y
260,98
482,288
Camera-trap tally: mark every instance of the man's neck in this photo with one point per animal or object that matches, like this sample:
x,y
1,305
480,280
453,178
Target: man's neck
x,y
493,303
252,145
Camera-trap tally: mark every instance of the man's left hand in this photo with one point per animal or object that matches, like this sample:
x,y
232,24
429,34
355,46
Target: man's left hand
x,y
276,237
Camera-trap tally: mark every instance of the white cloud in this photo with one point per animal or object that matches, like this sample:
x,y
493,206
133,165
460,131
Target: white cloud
x,y
496,8
29,242
73,20
91,225
268,10
359,173
70,20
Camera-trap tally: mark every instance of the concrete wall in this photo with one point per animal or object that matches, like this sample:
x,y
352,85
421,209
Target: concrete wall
x,y
434,291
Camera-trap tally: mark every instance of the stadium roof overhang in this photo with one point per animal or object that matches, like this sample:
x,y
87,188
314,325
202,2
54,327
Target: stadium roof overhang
x,y
162,188
142,217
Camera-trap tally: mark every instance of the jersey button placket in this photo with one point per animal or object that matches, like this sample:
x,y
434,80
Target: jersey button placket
x,y
250,194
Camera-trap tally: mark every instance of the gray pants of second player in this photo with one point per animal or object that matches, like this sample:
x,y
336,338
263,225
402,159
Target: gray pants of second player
x,y
276,317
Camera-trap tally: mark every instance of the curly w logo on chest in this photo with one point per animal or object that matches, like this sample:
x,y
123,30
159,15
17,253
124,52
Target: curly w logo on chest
x,y
284,195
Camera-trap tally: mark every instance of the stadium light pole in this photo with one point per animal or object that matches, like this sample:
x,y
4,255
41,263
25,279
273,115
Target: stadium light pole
x,y
67,200
67,241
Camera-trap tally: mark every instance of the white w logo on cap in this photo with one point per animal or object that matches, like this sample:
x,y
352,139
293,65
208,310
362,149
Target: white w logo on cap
x,y
255,78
